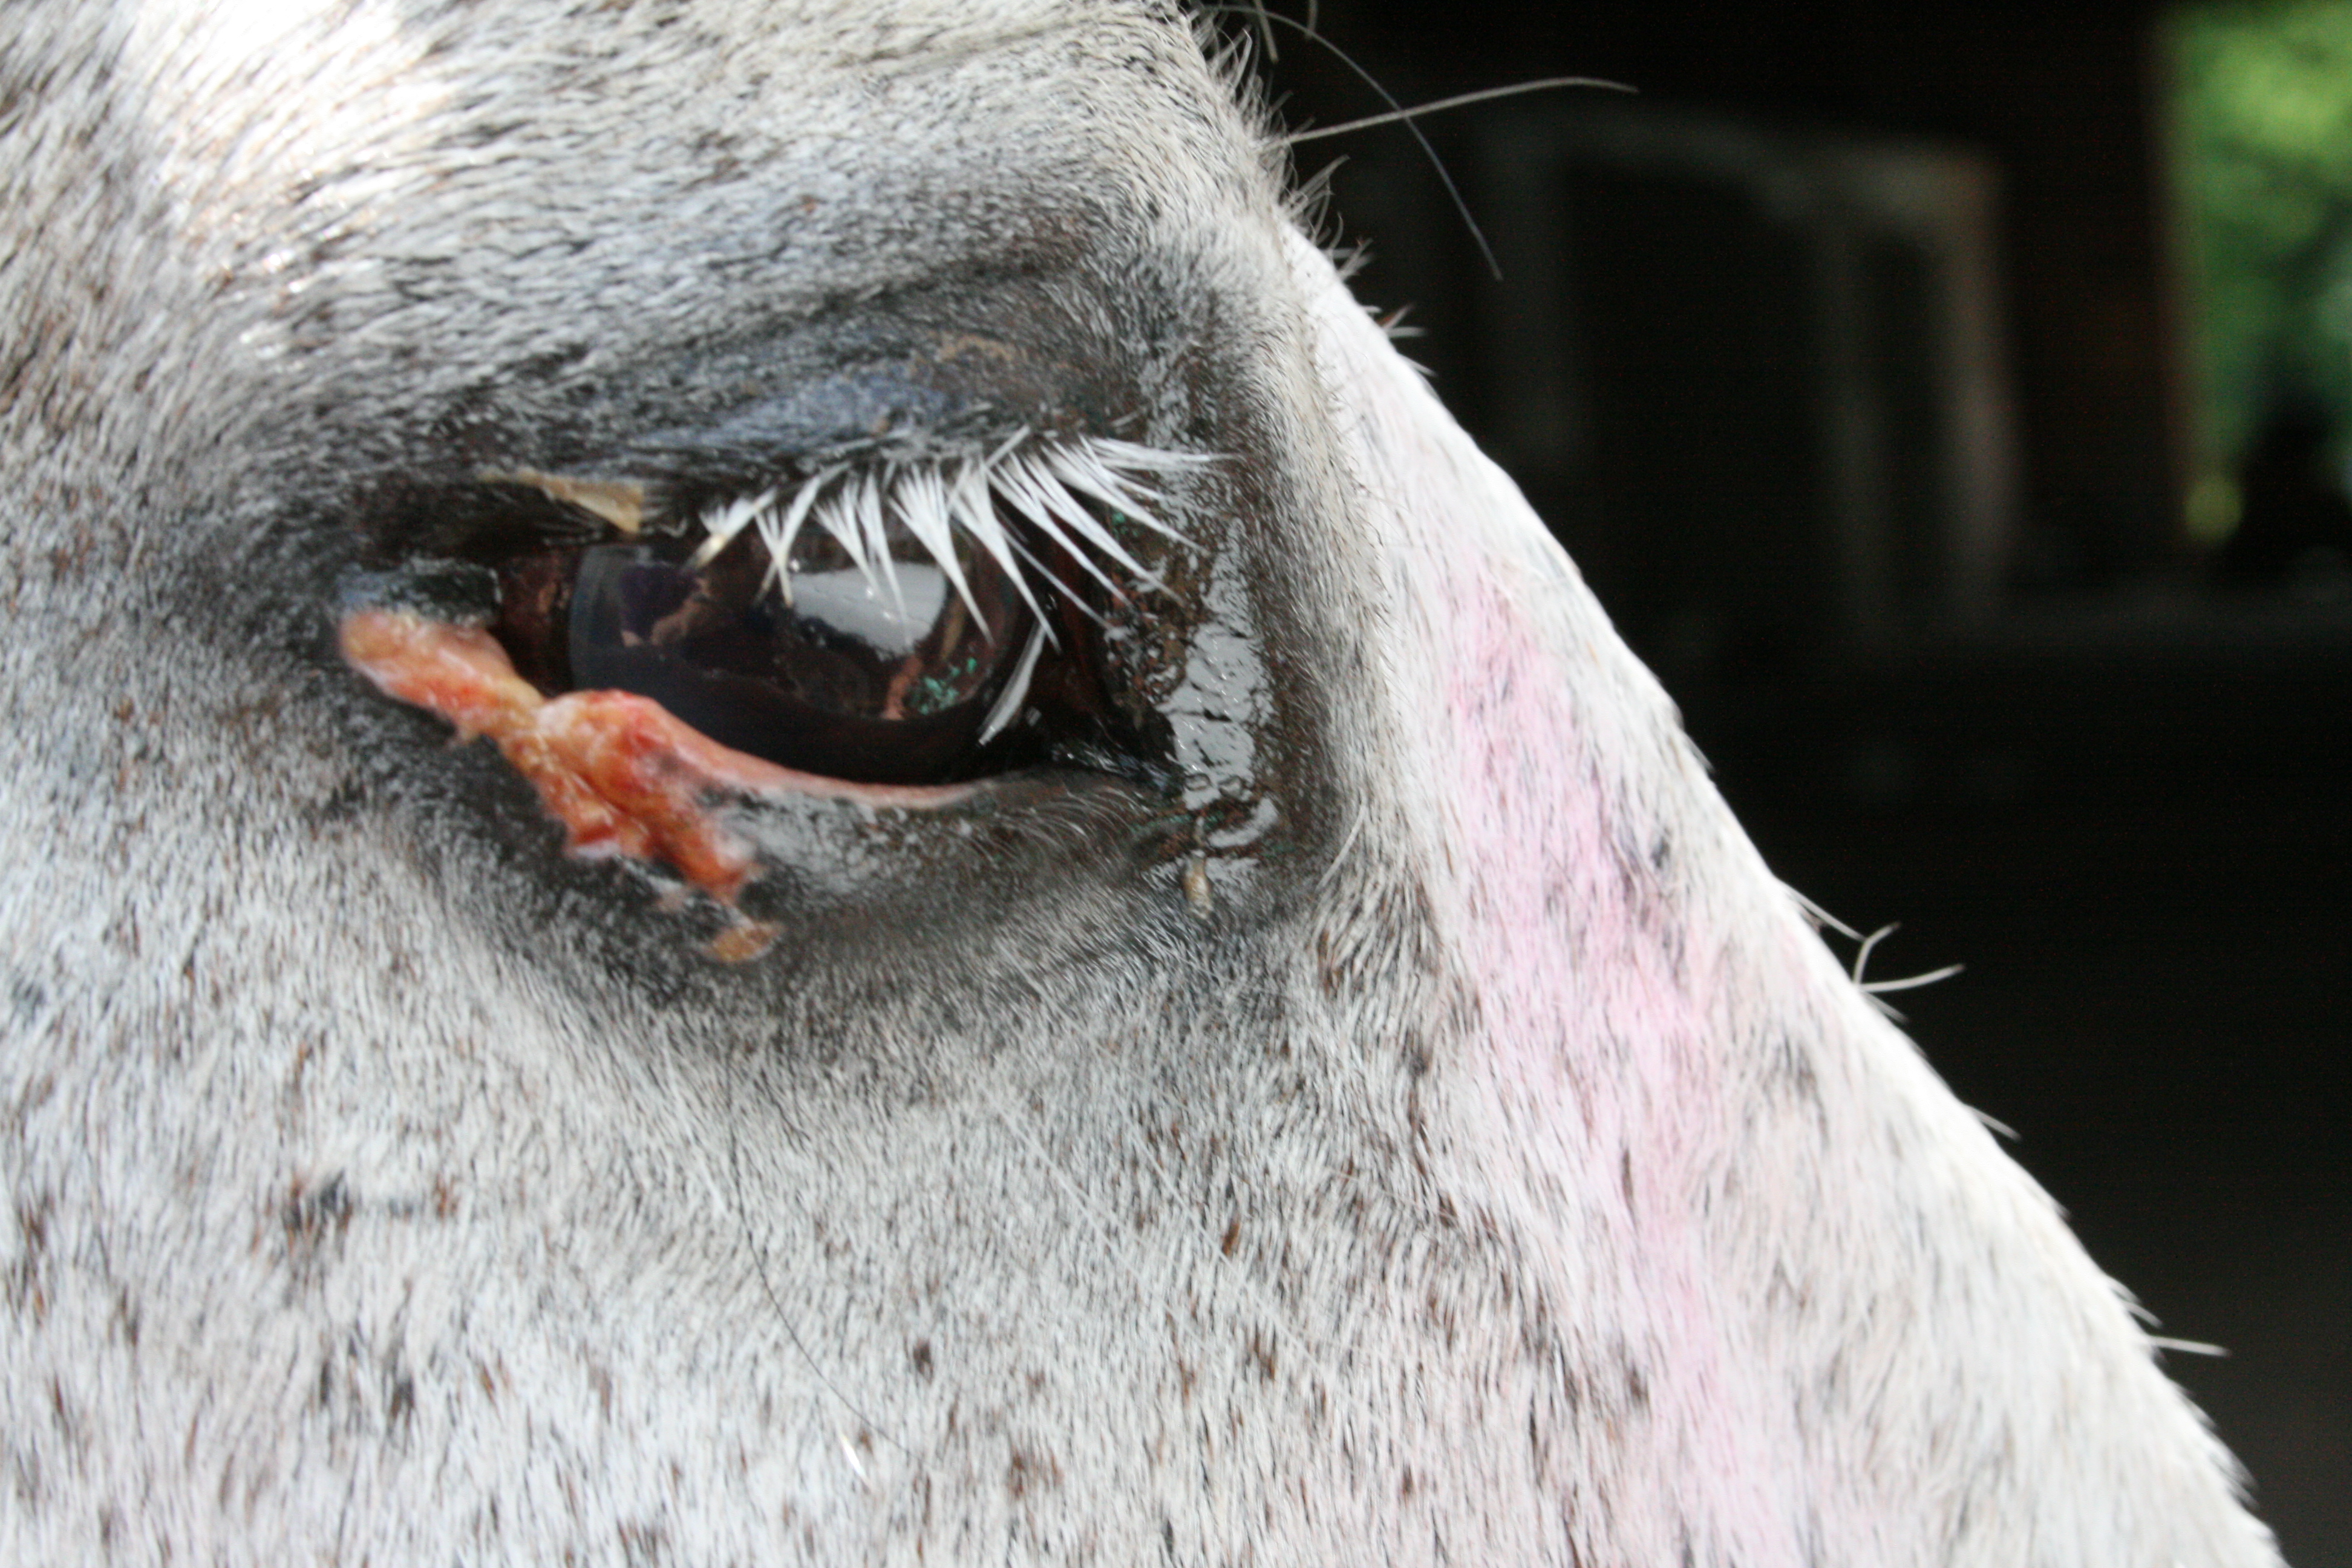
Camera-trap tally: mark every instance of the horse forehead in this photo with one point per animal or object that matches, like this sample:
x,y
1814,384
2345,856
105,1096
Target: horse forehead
x,y
261,97
862,39
385,186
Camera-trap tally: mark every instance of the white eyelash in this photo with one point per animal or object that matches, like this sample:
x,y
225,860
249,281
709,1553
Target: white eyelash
x,y
1016,690
1046,482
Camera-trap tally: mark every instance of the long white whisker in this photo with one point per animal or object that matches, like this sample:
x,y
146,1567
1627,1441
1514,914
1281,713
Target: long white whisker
x,y
924,509
779,532
1878,988
1870,945
1146,460
1079,469
1092,530
976,510
1032,493
838,515
1067,595
1057,487
875,504
724,523
1092,471
882,566
1005,450
1016,689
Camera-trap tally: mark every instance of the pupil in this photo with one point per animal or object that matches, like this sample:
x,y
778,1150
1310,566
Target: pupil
x,y
859,672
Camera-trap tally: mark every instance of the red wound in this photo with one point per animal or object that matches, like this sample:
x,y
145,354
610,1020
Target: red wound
x,y
621,775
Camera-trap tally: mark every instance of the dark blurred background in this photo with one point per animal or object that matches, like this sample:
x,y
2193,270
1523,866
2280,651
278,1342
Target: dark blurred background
x,y
1949,402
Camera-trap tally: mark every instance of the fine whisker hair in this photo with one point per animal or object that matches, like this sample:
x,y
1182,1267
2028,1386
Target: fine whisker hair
x,y
1459,100
1016,690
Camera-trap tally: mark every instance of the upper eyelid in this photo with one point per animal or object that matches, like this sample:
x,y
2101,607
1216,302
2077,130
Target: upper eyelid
x,y
873,384
918,399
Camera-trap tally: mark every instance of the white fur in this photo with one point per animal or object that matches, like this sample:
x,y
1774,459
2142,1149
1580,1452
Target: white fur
x,y
1464,1152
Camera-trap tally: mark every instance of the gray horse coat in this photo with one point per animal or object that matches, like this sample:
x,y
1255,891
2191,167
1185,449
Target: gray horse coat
x,y
1363,1101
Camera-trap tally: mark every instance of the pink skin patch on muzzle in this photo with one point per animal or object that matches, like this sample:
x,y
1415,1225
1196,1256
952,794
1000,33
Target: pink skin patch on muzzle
x,y
620,772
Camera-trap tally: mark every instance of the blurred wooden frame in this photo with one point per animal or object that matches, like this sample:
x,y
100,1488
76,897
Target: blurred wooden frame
x,y
1860,477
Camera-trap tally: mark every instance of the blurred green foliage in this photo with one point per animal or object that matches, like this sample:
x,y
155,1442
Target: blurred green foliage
x,y
2262,122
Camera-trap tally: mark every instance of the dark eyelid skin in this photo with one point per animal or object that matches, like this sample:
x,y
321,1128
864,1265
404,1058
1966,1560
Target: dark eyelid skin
x,y
953,366
958,365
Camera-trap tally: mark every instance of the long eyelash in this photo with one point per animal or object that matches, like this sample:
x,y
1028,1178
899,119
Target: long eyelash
x,y
1016,690
1046,482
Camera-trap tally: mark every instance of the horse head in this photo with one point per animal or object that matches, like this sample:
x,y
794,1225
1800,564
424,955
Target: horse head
x,y
774,798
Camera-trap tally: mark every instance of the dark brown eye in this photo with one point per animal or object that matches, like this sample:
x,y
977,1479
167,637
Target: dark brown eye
x,y
912,623
888,670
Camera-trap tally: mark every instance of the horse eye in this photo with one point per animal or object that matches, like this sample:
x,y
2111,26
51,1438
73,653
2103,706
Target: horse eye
x,y
889,666
907,624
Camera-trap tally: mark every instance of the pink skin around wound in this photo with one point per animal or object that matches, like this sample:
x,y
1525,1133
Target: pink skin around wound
x,y
622,774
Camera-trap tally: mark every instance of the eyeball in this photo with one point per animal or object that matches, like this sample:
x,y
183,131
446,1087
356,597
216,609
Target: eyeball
x,y
884,669
919,622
